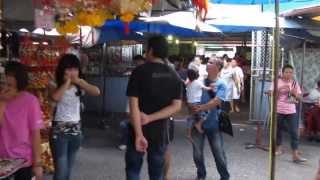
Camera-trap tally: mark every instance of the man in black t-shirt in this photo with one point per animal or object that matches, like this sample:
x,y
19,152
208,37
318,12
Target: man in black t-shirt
x,y
155,93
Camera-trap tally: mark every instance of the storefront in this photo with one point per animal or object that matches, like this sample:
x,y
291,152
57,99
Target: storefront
x,y
109,67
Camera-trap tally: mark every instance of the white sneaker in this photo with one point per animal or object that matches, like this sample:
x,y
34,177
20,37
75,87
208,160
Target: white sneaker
x,y
122,147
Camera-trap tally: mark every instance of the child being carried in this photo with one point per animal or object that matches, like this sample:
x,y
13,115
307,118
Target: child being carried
x,y
194,94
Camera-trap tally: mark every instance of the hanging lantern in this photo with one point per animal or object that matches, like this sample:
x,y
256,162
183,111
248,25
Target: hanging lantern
x,y
74,13
128,9
91,14
130,6
95,19
65,21
66,27
127,18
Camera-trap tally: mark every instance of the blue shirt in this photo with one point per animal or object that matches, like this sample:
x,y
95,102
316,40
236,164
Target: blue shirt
x,y
220,89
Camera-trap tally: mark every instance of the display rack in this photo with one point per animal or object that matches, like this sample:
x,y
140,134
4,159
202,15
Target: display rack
x,y
119,57
95,60
41,58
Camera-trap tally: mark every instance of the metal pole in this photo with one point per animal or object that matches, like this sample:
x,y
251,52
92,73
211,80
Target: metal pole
x,y
253,59
264,59
1,21
275,59
81,37
301,79
104,61
1,14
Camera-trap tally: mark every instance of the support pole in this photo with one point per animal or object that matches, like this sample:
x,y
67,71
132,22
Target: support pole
x,y
273,125
301,81
259,129
81,40
1,14
1,21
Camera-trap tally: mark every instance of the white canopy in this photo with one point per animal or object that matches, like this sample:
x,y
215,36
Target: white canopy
x,y
183,19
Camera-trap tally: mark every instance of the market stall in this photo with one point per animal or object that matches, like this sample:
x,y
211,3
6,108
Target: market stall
x,y
111,74
41,58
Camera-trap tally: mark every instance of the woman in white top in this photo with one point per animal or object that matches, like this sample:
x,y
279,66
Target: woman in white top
x,y
238,86
66,131
228,75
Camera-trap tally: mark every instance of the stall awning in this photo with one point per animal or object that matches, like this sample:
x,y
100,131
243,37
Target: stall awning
x,y
183,19
288,6
229,23
304,11
108,34
157,28
247,23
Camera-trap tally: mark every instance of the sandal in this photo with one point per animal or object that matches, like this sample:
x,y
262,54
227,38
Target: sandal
x,y
299,160
279,152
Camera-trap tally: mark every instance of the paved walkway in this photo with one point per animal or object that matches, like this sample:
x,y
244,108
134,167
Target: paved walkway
x,y
99,159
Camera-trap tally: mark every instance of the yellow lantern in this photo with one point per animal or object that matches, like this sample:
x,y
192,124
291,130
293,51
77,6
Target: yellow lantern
x,y
66,27
128,9
130,6
95,12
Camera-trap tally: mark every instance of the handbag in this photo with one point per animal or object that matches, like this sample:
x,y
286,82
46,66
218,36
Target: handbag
x,y
291,98
225,123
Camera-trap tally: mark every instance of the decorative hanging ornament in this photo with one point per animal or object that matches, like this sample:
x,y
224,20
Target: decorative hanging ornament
x,y
202,8
70,26
67,3
104,2
91,14
128,9
70,14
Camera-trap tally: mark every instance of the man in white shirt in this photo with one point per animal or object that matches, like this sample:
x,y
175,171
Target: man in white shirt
x,y
314,94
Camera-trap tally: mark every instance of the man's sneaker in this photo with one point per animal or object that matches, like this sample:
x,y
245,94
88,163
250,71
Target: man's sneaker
x,y
122,147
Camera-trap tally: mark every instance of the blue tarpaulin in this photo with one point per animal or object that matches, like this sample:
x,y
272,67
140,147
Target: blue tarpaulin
x,y
114,30
296,4
163,28
238,29
113,34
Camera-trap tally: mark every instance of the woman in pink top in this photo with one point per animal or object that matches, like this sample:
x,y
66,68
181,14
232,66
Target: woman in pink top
x,y
289,93
20,123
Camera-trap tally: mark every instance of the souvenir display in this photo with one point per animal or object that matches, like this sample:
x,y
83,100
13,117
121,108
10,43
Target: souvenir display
x,y
71,14
41,58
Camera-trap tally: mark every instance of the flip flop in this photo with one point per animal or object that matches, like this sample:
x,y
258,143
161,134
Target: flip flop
x,y
300,160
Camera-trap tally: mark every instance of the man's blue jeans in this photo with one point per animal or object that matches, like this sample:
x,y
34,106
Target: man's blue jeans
x,y
64,148
216,144
134,161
